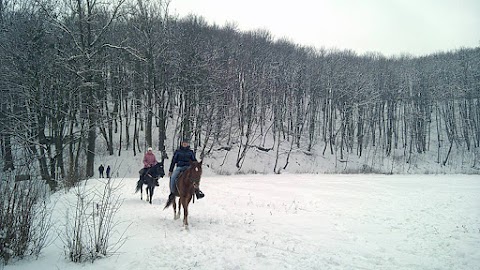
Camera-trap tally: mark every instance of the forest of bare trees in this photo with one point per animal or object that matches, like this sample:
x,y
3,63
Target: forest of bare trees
x,y
125,72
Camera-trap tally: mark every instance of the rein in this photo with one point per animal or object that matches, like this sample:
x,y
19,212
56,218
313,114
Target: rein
x,y
195,181
150,175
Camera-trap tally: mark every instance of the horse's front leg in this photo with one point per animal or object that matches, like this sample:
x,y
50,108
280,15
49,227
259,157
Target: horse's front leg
x,y
151,194
185,202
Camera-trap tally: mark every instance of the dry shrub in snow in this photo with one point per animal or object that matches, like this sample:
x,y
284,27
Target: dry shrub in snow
x,y
24,217
90,230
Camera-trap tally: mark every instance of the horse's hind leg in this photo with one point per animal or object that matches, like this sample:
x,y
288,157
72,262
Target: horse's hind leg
x,y
177,211
174,208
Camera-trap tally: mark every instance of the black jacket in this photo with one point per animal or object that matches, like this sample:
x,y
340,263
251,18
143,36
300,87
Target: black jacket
x,y
182,157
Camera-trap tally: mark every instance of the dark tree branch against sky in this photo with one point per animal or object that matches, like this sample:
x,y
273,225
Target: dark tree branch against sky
x,y
391,27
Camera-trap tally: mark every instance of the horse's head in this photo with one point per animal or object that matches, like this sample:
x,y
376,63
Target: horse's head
x,y
195,173
158,170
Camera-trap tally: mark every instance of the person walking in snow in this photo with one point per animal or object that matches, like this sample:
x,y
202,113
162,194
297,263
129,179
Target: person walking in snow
x,y
100,170
108,171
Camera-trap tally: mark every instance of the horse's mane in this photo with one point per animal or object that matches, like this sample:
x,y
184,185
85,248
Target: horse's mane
x,y
194,172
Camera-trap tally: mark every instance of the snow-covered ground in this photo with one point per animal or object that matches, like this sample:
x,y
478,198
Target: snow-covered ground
x,y
289,221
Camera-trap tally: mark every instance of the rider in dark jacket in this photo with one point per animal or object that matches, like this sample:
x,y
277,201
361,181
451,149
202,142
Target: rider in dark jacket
x,y
182,157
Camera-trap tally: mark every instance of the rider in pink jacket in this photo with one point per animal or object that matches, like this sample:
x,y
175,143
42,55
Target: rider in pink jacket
x,y
149,160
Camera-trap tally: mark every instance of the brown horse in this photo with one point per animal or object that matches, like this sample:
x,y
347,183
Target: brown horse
x,y
187,183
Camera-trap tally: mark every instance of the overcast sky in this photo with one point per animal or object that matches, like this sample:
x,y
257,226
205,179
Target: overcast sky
x,y
391,27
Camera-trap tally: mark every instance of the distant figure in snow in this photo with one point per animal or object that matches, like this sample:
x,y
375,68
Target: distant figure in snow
x,y
108,171
100,170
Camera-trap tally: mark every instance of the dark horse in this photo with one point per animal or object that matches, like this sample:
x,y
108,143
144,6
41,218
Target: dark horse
x,y
187,183
151,180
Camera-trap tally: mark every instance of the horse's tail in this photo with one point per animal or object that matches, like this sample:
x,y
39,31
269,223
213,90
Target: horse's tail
x,y
139,186
171,198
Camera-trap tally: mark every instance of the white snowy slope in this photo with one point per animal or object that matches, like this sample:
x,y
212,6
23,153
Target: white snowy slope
x,y
293,222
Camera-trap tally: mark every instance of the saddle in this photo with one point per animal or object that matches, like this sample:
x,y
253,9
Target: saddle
x,y
143,172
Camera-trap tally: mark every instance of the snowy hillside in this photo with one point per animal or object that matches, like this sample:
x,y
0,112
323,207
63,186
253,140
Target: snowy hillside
x,y
292,222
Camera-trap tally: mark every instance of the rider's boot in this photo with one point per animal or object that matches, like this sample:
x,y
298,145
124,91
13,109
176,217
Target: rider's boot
x,y
199,194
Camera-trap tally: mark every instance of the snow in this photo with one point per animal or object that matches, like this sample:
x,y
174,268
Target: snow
x,y
292,221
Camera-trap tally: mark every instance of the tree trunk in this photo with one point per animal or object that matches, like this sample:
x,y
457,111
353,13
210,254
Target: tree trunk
x,y
92,135
7,153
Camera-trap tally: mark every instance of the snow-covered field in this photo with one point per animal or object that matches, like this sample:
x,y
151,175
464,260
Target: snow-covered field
x,y
294,222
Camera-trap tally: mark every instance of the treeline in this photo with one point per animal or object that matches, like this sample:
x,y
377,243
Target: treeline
x,y
128,72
